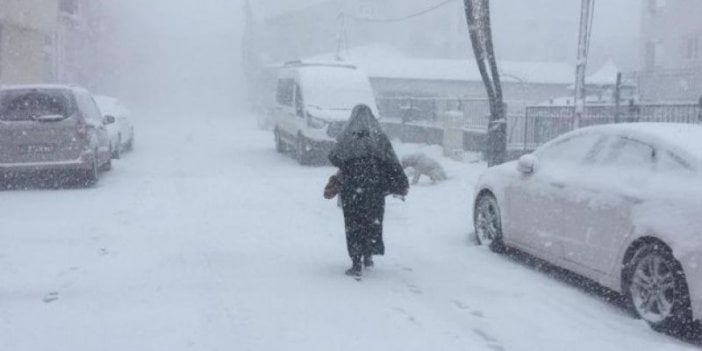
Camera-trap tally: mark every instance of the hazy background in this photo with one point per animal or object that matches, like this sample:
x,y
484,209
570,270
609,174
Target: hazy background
x,y
186,54
176,54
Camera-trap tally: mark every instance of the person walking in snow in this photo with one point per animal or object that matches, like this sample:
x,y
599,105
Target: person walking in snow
x,y
368,171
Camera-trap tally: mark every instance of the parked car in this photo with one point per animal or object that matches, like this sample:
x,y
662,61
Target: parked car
x,y
313,103
122,131
53,127
619,204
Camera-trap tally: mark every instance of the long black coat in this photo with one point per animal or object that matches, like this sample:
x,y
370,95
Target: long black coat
x,y
365,182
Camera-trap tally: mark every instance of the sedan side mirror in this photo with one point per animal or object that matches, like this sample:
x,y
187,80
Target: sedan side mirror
x,y
526,164
109,120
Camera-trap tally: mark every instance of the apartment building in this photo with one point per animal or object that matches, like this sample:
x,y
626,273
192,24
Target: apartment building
x,y
671,51
28,41
44,40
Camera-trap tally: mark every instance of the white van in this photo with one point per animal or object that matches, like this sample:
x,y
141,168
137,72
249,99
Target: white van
x,y
313,104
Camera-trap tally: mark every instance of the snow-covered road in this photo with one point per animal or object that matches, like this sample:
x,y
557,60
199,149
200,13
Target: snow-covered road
x,y
206,239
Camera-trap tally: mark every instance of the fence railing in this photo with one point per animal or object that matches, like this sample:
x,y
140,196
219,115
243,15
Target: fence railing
x,y
531,126
541,124
431,109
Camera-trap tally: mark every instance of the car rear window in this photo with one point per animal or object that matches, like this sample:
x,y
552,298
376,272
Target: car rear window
x,y
28,105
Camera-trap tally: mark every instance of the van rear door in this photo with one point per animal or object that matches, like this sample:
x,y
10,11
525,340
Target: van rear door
x,y
38,125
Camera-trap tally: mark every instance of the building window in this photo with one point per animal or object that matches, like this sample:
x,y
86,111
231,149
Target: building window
x,y
69,7
692,47
654,53
655,5
1,50
286,92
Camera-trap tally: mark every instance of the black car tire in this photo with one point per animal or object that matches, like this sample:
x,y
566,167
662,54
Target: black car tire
x,y
488,223
91,176
280,146
656,289
304,156
117,151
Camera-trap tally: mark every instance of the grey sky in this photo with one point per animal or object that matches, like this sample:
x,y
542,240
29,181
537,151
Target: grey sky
x,y
172,46
616,26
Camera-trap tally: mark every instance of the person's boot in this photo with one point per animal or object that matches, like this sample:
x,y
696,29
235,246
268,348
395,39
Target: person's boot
x,y
356,270
368,261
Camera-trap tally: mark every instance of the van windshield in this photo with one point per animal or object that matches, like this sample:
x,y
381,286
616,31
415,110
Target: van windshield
x,y
28,105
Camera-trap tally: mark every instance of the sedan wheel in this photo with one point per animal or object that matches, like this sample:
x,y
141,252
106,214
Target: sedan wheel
x,y
117,149
657,289
488,224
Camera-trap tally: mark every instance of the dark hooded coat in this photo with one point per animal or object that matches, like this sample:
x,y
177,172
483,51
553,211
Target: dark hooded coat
x,y
370,171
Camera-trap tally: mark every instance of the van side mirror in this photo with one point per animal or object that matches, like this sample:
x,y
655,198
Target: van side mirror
x,y
109,120
527,164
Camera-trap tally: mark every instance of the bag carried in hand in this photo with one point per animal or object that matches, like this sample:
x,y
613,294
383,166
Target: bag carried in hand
x,y
333,188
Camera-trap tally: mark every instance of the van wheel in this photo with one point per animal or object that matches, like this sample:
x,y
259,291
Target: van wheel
x,y
302,153
92,175
280,146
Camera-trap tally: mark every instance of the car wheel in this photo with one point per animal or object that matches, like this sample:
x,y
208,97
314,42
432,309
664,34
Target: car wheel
x,y
302,153
130,143
117,151
488,224
279,143
107,166
92,175
657,290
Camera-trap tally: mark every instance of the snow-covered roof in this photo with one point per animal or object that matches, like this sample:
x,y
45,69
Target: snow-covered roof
x,y
336,88
607,75
386,62
565,101
35,86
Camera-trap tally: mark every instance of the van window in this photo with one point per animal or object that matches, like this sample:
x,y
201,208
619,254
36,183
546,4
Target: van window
x,y
286,89
299,102
26,105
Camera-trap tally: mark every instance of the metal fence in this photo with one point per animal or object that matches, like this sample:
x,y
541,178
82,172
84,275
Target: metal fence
x,y
541,124
528,127
429,110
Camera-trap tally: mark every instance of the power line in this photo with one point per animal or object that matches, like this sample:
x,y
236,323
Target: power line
x,y
404,18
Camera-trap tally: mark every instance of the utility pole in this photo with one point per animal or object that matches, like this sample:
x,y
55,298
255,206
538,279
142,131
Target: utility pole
x,y
618,98
251,60
586,16
342,39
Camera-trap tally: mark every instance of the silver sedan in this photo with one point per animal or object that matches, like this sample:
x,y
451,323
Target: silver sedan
x,y
619,204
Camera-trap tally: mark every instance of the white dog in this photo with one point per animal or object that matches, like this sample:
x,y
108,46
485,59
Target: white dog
x,y
424,165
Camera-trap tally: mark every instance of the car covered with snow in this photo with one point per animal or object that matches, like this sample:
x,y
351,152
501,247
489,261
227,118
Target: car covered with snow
x,y
619,204
122,131
51,128
313,103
